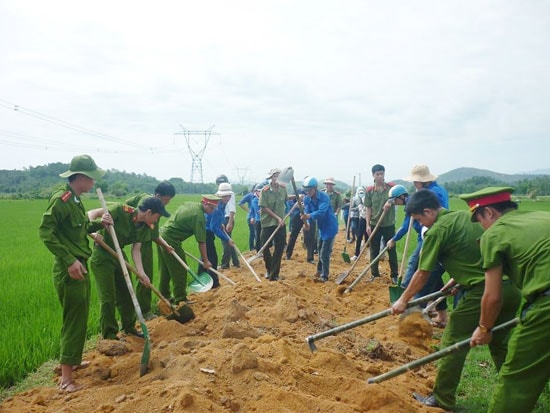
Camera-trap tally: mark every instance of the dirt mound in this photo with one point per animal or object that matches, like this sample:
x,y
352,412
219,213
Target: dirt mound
x,y
246,351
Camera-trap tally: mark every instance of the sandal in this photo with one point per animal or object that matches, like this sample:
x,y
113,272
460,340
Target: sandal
x,y
70,387
82,365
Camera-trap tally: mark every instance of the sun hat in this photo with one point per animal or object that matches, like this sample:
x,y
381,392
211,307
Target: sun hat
x,y
421,173
224,189
329,180
273,172
85,165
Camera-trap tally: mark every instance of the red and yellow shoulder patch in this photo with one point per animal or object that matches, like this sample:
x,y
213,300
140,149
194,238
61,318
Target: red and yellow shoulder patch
x,y
370,188
66,196
128,209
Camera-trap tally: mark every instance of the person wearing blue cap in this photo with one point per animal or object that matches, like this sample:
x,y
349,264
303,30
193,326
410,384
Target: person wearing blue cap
x,y
63,230
317,207
112,290
452,239
516,243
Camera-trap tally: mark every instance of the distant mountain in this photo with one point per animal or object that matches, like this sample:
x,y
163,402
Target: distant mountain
x,y
461,174
537,172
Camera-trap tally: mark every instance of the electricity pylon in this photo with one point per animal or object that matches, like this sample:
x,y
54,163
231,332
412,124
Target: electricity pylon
x,y
196,149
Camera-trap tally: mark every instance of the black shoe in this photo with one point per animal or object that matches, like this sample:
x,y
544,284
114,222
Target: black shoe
x,y
135,333
224,267
428,400
274,278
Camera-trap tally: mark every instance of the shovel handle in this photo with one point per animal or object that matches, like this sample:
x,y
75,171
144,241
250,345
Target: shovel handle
x,y
219,274
130,267
436,356
184,265
362,274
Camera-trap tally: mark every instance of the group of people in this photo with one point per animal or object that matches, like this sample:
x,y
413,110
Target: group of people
x,y
499,258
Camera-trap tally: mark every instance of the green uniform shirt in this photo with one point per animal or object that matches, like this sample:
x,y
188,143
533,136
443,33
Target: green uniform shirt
x,y
274,200
520,241
135,202
453,240
335,200
376,199
188,220
127,230
65,225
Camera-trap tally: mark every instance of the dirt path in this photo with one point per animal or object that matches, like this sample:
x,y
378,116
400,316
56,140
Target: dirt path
x,y
246,352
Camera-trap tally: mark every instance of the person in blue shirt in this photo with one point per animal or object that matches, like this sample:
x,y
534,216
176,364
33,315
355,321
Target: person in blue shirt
x,y
245,204
317,207
255,215
215,227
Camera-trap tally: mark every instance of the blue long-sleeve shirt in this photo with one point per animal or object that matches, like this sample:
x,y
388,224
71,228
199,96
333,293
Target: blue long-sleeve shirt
x,y
319,209
247,199
215,221
255,208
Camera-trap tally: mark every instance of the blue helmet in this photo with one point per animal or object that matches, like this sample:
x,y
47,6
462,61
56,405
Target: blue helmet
x,y
310,182
396,191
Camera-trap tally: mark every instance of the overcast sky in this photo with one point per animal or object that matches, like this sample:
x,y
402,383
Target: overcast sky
x,y
328,87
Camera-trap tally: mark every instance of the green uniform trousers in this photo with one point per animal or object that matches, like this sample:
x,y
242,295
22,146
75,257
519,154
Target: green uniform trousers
x,y
170,270
527,367
143,293
74,296
462,322
113,294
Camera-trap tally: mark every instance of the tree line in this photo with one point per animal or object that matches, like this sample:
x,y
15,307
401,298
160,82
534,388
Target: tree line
x,y
40,181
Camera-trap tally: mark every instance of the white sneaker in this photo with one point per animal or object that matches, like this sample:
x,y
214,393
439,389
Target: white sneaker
x,y
354,258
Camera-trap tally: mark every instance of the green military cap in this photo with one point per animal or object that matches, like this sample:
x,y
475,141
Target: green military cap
x,y
211,199
487,196
85,165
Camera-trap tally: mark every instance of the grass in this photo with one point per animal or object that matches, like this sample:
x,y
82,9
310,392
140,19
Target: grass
x,y
30,315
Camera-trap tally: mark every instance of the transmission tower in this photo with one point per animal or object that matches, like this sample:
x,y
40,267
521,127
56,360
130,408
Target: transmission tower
x,y
196,147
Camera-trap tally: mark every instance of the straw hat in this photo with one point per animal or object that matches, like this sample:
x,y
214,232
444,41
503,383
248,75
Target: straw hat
x,y
329,180
421,173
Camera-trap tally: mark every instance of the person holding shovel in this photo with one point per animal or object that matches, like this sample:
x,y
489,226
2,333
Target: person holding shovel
x,y
272,210
165,191
317,207
215,228
375,202
113,293
189,219
452,239
516,243
63,230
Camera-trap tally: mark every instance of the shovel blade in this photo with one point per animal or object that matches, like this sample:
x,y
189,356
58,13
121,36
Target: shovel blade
x,y
346,258
340,279
286,176
201,283
395,293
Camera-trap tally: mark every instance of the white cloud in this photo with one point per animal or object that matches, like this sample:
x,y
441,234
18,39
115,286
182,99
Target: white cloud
x,y
328,87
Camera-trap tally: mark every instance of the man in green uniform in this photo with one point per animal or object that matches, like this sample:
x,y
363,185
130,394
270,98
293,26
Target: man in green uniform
x,y
111,285
516,243
375,203
452,240
165,191
63,230
335,196
272,203
189,219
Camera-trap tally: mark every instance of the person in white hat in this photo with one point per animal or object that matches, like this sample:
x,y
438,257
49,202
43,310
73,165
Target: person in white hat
x,y
229,253
335,196
422,178
272,210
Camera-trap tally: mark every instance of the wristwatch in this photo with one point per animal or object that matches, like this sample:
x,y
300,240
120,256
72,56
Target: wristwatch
x,y
484,329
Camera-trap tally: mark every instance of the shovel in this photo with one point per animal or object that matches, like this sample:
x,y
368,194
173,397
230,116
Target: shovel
x,y
201,283
219,274
345,255
396,290
362,274
345,274
261,250
461,345
144,365
244,259
344,327
165,306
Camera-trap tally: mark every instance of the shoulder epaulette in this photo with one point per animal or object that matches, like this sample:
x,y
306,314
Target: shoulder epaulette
x,y
390,184
370,188
128,209
66,196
